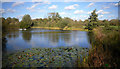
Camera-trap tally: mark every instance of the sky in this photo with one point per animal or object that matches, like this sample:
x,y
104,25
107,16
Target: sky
x,y
73,10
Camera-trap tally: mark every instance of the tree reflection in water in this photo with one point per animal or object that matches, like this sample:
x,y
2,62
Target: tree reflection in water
x,y
26,35
13,34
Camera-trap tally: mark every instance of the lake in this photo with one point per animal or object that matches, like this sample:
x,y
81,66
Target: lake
x,y
43,38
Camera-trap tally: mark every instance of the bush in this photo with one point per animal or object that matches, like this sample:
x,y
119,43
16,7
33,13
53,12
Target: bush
x,y
62,23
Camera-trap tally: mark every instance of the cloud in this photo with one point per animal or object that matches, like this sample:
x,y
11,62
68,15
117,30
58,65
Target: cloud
x,y
75,18
116,4
111,16
2,11
81,17
84,16
17,3
40,10
62,0
6,0
11,10
37,0
71,7
89,12
105,12
36,4
33,6
91,4
78,12
43,1
102,12
53,7
100,16
8,10
71,0
20,16
47,2
106,7
99,12
62,13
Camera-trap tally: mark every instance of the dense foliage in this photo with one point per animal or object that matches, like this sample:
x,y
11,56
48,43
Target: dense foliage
x,y
93,20
26,21
9,23
54,20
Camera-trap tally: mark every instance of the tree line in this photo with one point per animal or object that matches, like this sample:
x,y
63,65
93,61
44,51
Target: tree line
x,y
55,20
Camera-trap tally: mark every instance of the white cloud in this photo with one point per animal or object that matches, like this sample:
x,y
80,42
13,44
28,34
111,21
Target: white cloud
x,y
37,0
71,7
20,16
116,4
78,12
40,10
70,0
106,7
46,2
62,0
53,7
11,10
8,10
81,17
91,4
33,6
36,4
100,16
6,0
62,13
99,12
2,11
105,12
102,12
75,18
17,3
89,12
111,16
43,1
84,16
76,5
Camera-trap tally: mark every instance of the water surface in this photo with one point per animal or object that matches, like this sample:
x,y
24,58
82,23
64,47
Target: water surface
x,y
42,38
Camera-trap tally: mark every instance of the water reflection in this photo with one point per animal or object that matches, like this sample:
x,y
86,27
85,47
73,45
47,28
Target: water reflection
x,y
37,38
26,35
13,34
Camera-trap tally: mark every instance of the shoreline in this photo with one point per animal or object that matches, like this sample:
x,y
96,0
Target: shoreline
x,y
57,28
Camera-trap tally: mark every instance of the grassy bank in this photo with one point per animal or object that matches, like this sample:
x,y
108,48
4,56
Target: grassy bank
x,y
105,48
57,28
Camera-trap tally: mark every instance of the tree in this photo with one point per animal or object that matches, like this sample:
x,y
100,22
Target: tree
x,y
4,24
15,20
63,23
26,22
54,16
86,22
93,20
8,20
114,22
106,23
